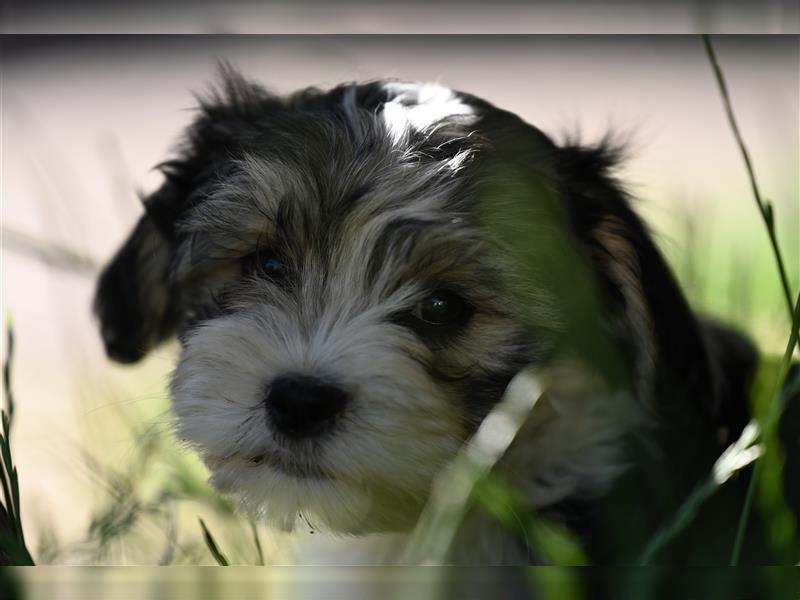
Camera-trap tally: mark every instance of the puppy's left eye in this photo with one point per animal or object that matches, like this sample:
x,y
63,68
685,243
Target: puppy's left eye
x,y
442,308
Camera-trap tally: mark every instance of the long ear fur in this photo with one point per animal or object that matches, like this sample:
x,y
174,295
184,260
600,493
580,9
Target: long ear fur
x,y
137,302
639,283
698,374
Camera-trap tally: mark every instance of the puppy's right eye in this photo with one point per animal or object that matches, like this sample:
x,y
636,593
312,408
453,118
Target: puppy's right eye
x,y
264,264
272,267
442,309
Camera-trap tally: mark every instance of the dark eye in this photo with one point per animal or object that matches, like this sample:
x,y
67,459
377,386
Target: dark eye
x,y
265,264
272,266
442,308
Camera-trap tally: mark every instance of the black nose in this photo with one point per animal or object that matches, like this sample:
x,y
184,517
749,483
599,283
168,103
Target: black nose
x,y
303,406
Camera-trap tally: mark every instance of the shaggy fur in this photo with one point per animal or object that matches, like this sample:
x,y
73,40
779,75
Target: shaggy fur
x,y
306,236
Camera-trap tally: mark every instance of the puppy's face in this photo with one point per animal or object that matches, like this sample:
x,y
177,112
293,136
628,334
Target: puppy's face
x,y
344,326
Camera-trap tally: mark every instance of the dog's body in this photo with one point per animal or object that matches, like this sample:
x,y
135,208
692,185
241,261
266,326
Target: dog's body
x,y
344,271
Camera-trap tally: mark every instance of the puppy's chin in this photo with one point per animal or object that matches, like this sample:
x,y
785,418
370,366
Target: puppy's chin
x,y
287,499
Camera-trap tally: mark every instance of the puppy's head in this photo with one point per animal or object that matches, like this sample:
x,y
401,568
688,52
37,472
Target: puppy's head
x,y
333,266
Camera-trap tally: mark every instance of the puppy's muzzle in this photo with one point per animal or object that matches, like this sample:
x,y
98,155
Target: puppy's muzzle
x,y
301,406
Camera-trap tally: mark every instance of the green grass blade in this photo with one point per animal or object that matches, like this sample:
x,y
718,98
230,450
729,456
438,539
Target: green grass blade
x,y
764,208
257,542
768,216
769,426
7,374
8,504
12,537
212,545
684,516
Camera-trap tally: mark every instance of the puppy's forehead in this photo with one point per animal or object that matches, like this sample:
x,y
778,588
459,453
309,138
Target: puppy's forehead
x,y
346,168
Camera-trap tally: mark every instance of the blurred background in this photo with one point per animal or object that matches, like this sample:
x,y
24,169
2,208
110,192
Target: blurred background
x,y
411,16
84,120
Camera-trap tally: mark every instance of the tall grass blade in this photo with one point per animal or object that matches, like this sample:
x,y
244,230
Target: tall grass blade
x,y
13,549
737,456
769,427
212,545
767,213
436,530
259,551
742,452
764,207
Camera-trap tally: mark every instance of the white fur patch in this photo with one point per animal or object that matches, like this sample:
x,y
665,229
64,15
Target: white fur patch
x,y
420,107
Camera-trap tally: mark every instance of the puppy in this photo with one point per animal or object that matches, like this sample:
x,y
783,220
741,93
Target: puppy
x,y
356,275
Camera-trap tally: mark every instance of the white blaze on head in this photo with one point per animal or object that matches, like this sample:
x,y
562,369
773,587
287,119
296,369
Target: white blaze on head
x,y
420,106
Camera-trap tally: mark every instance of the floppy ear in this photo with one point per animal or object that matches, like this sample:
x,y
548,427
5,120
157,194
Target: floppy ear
x,y
138,301
695,366
135,301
